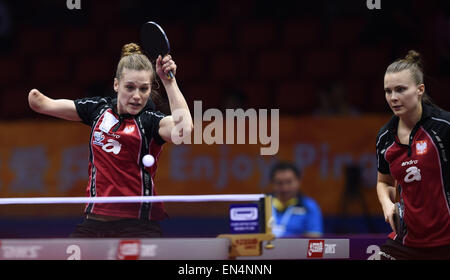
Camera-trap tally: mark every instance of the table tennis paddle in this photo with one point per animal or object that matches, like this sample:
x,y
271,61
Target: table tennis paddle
x,y
398,218
155,42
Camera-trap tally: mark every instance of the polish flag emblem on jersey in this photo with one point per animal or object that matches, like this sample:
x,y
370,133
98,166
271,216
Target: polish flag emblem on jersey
x,y
129,129
421,147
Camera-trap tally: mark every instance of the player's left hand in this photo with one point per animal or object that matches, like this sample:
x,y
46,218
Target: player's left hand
x,y
164,65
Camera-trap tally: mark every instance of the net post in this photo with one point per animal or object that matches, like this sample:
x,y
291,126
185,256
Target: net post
x,y
250,244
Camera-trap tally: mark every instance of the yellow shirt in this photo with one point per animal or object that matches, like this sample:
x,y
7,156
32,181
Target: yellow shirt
x,y
280,206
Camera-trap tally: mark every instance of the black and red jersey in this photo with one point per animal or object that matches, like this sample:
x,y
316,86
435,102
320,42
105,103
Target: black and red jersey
x,y
117,145
422,171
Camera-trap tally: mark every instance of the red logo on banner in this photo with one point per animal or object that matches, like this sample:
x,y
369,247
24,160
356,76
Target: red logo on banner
x,y
315,248
129,250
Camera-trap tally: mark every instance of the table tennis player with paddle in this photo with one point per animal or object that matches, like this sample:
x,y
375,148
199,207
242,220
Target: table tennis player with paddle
x,y
119,167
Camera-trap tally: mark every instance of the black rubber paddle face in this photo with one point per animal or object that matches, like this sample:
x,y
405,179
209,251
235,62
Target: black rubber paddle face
x,y
154,40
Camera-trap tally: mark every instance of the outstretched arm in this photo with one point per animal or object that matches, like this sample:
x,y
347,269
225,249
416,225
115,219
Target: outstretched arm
x,y
60,108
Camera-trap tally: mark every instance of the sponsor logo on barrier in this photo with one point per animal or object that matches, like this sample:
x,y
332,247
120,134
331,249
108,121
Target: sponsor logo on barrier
x,y
246,243
129,250
315,249
148,250
374,251
20,252
74,252
330,248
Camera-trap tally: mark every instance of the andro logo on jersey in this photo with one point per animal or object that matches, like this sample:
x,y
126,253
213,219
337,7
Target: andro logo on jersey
x,y
413,174
129,250
421,147
411,162
112,147
244,218
315,248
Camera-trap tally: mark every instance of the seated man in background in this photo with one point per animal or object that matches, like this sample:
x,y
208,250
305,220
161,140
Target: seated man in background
x,y
294,213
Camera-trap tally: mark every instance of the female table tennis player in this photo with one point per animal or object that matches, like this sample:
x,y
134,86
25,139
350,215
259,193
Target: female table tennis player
x,y
413,149
123,130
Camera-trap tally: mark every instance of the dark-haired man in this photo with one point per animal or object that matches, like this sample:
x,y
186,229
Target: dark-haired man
x,y
294,213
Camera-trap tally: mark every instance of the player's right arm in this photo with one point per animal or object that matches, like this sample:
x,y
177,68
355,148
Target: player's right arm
x,y
60,108
386,195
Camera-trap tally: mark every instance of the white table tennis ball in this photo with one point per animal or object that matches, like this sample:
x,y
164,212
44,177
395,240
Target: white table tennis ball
x,y
148,160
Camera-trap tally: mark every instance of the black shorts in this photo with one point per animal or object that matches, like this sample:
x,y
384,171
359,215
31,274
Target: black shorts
x,y
124,228
394,250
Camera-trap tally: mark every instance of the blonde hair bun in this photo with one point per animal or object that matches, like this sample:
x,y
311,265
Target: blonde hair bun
x,y
413,57
133,59
131,48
